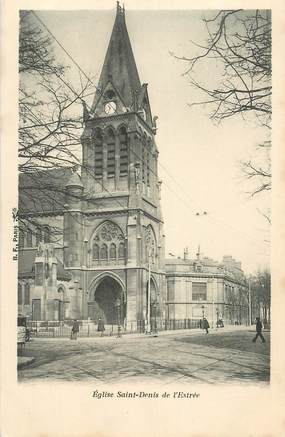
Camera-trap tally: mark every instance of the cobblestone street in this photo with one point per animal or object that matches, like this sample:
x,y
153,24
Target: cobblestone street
x,y
222,357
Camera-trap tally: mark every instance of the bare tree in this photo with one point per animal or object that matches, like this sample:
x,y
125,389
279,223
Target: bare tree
x,y
239,48
49,125
261,295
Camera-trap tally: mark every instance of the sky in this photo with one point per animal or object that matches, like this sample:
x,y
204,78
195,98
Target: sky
x,y
199,160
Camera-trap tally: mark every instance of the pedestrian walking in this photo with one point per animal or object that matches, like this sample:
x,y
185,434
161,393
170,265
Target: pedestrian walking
x,y
74,330
206,325
101,326
220,323
258,331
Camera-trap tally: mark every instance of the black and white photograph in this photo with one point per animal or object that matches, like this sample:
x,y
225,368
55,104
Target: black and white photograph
x,y
142,227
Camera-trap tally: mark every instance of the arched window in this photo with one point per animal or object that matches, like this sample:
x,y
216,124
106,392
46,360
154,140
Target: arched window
x,y
104,252
110,153
121,251
144,158
29,238
21,238
95,253
38,236
20,298
98,153
46,234
123,151
27,294
148,154
112,251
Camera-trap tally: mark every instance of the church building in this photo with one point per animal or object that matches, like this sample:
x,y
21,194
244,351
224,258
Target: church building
x,y
108,261
91,240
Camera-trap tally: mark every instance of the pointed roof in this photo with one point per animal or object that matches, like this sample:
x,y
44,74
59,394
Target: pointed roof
x,y
119,65
26,266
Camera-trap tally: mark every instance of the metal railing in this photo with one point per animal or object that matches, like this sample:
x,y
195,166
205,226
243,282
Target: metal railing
x,y
63,329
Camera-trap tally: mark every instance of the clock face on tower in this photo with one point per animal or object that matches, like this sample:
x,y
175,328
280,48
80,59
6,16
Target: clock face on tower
x,y
110,108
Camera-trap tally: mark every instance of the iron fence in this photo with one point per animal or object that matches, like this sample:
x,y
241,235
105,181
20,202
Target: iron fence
x,y
90,328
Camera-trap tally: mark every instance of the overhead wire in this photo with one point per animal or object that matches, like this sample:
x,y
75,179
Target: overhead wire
x,y
210,216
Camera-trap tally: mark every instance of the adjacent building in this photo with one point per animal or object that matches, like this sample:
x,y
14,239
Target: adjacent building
x,y
201,287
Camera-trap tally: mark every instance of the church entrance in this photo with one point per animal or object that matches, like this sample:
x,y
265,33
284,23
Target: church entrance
x,y
108,302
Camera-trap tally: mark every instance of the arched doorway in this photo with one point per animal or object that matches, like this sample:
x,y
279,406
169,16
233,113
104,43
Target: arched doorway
x,y
108,302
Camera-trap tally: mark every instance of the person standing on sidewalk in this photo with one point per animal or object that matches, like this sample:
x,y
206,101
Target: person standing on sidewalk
x,y
101,327
258,331
75,330
205,325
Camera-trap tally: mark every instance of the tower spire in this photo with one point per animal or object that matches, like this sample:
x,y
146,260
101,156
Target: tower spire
x,y
120,9
119,65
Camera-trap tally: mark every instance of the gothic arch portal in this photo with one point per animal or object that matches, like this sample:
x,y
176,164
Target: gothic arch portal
x,y
107,299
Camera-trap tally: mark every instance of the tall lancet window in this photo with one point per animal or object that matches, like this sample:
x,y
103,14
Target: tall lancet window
x,y
104,252
98,143
144,159
148,154
123,151
95,252
110,153
121,251
112,251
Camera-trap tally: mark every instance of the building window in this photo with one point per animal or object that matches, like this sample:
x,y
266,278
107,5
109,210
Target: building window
x,y
20,298
110,153
199,291
104,252
123,151
148,163
39,274
98,153
29,238
46,234
113,251
121,251
95,254
27,294
144,158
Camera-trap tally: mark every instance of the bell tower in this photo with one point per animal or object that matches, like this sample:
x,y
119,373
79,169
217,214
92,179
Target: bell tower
x,y
121,186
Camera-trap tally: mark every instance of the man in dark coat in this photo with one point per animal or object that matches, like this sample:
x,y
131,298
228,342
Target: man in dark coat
x,y
258,330
101,327
206,325
75,330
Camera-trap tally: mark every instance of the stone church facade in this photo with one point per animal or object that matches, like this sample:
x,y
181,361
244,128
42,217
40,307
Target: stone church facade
x,y
109,259
92,244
